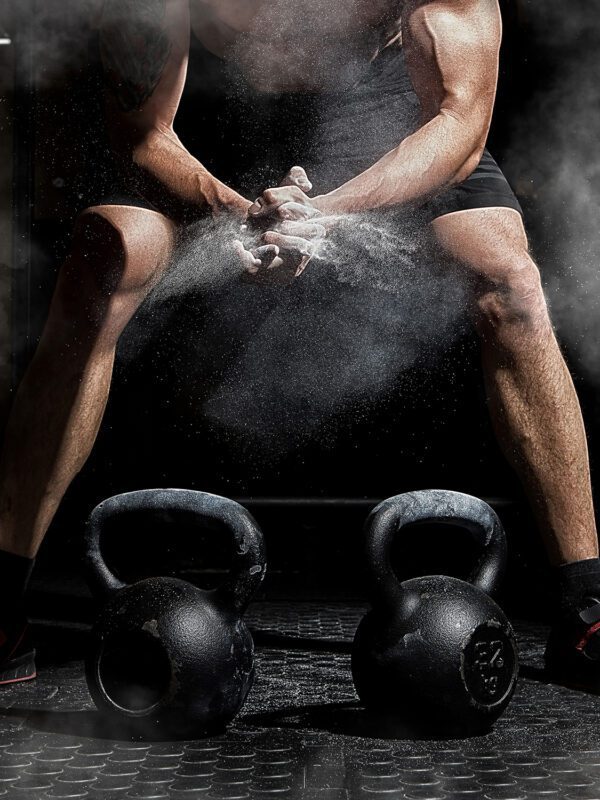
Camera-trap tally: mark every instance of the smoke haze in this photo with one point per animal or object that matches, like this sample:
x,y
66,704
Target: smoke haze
x,y
389,312
554,144
371,305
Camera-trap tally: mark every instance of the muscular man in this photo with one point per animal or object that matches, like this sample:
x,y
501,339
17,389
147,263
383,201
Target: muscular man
x,y
387,104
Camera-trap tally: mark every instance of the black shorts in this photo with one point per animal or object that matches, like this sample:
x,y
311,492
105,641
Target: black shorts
x,y
249,140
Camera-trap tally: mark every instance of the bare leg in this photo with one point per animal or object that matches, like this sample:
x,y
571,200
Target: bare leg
x,y
118,253
533,405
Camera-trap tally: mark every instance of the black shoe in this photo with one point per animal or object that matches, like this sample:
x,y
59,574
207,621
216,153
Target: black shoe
x,y
17,656
573,650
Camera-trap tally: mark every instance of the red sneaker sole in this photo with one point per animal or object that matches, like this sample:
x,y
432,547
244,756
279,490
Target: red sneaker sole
x,y
18,670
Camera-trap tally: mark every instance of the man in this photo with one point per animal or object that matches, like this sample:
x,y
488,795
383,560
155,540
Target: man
x,y
429,68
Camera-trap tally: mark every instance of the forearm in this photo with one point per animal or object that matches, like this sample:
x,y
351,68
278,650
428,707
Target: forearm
x,y
437,156
175,182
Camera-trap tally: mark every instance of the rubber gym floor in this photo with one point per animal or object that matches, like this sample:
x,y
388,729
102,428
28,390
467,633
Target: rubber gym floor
x,y
301,734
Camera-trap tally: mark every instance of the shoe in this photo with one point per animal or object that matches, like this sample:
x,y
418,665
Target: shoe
x,y
17,656
573,650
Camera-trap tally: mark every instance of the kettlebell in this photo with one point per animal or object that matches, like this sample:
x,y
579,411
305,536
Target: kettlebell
x,y
435,651
164,654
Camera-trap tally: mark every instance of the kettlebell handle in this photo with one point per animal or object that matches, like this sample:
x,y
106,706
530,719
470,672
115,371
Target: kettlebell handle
x,y
248,564
441,506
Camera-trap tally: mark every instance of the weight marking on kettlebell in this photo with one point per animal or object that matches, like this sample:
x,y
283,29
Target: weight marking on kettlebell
x,y
488,664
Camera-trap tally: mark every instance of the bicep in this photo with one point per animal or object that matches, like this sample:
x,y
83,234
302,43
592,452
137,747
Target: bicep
x,y
144,46
452,51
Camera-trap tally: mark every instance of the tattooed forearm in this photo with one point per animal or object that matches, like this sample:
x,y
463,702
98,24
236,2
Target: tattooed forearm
x,y
134,49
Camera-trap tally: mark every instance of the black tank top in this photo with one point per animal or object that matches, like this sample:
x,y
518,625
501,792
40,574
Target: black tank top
x,y
249,139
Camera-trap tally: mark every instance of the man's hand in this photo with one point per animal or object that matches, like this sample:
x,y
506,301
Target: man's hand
x,y
290,233
289,201
257,259
284,255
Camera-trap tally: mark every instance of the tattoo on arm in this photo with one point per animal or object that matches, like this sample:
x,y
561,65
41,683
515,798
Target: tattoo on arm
x,y
134,48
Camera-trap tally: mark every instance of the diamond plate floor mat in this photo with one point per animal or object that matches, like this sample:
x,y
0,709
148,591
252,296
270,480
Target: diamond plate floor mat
x,y
301,734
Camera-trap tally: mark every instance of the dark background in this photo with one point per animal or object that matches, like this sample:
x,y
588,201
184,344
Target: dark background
x,y
430,429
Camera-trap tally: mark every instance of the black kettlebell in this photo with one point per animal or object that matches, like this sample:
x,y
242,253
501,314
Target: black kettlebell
x,y
165,655
436,651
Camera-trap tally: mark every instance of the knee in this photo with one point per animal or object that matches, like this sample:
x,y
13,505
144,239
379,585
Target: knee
x,y
112,257
511,304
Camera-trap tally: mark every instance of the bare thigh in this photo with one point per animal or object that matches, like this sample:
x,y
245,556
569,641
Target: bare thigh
x,y
490,245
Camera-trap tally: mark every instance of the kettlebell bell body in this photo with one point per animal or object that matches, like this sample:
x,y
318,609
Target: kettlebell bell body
x,y
436,651
165,654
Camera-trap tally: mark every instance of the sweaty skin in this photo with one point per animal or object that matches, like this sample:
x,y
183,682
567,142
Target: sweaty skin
x,y
287,45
